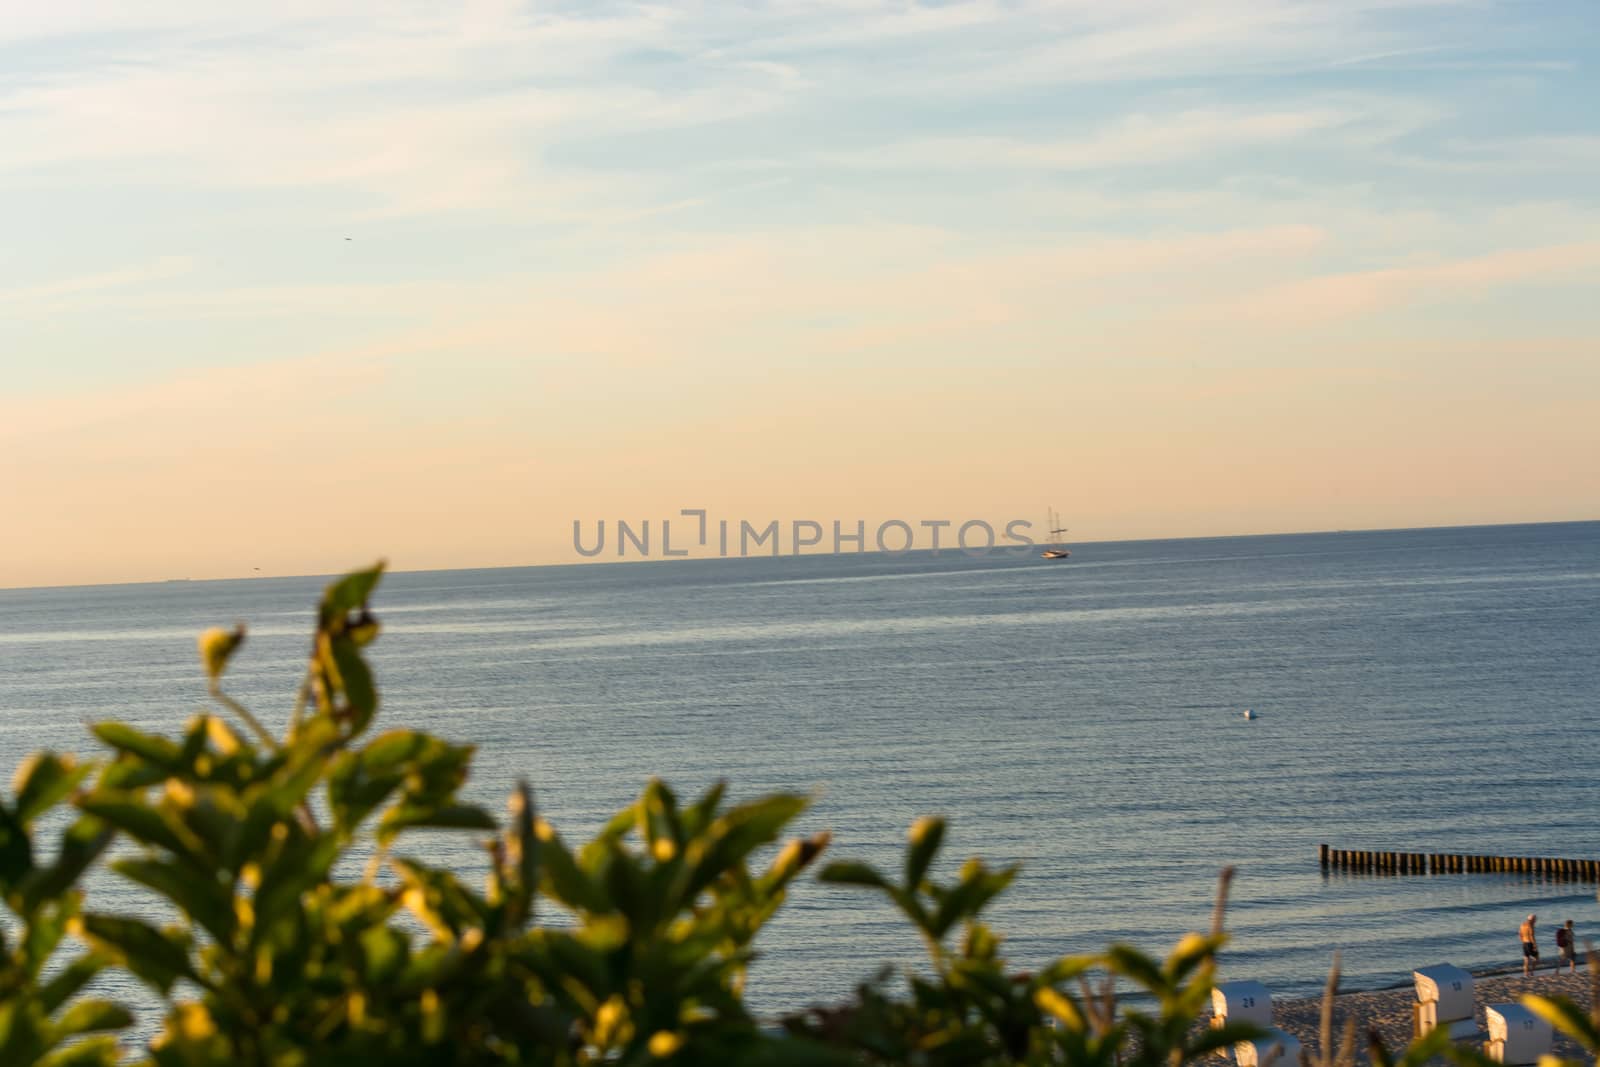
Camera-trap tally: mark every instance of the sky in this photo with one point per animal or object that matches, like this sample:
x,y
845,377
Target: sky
x,y
288,287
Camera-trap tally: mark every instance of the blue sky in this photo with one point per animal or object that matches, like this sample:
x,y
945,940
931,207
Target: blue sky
x,y
609,219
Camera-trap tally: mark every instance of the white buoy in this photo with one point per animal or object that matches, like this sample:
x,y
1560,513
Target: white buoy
x,y
1249,714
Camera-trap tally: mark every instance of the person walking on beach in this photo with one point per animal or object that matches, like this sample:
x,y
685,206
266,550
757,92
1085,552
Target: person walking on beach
x,y
1530,946
1567,943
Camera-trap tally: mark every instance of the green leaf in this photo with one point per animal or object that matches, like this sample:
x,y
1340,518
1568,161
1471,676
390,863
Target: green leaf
x,y
297,868
129,772
924,839
385,951
443,817
731,838
699,815
43,933
440,900
42,780
16,850
1225,1036
124,738
391,749
430,968
81,844
1131,963
194,743
351,592
130,813
359,691
977,887
249,834
578,963
1190,953
658,815
94,1052
160,957
521,881
87,1016
77,974
562,878
205,900
217,645
850,872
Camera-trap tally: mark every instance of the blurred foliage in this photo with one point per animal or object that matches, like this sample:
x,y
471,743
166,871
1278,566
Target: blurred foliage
x,y
305,935
42,1021
1570,1019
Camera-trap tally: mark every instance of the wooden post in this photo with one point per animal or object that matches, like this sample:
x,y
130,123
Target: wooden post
x,y
1386,861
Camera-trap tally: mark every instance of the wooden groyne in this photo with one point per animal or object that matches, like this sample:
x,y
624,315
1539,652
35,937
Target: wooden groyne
x,y
1363,861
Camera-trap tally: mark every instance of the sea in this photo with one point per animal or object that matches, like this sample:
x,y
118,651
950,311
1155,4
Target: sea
x,y
1428,690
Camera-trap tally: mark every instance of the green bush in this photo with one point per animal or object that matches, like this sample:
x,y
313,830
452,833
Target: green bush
x,y
277,957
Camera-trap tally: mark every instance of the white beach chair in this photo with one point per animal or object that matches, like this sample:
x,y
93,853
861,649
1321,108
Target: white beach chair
x,y
1277,1048
1251,1002
1241,1002
1516,1035
1444,998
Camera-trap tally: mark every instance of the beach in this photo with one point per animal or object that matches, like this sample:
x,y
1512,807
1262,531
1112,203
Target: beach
x,y
1389,1011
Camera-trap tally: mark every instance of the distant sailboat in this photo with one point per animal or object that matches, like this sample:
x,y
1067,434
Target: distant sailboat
x,y
1053,521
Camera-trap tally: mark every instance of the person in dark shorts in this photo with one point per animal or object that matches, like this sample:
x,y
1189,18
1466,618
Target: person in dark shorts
x,y
1530,945
1567,943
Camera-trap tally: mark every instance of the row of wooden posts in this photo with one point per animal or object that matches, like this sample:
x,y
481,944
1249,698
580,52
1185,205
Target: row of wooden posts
x,y
1344,859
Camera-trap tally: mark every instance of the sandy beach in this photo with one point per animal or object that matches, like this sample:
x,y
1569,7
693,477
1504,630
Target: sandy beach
x,y
1390,1010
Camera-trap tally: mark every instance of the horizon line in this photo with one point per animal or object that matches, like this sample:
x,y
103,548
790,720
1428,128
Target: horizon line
x,y
792,555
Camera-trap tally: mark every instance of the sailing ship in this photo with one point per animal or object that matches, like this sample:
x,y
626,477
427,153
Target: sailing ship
x,y
1053,524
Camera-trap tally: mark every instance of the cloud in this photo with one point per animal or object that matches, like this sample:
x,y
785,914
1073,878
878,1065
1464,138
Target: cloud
x,y
49,297
1338,296
1130,141
422,110
212,395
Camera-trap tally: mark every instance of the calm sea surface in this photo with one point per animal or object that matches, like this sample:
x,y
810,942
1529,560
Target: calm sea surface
x,y
1428,690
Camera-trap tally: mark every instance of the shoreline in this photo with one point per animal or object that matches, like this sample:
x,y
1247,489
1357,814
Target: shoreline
x,y
1389,1010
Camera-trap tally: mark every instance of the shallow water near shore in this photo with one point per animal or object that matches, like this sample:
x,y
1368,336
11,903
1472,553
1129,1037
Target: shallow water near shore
x,y
1429,690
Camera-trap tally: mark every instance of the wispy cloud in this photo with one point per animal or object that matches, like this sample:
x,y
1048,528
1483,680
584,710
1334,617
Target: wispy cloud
x,y
1313,300
426,110
1135,140
49,296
